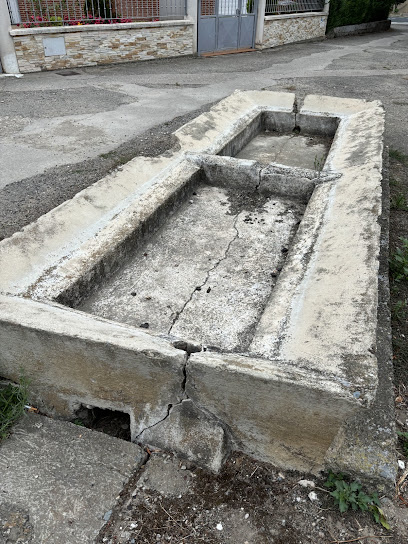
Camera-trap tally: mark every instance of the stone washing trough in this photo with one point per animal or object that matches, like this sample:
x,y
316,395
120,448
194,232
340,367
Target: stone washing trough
x,y
224,295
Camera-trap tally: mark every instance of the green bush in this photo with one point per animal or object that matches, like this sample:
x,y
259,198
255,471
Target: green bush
x,y
354,12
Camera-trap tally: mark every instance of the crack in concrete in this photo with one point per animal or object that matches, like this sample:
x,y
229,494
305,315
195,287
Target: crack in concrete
x,y
178,314
169,409
170,406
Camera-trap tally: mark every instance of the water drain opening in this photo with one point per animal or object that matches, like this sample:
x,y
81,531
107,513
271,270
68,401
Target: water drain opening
x,y
111,422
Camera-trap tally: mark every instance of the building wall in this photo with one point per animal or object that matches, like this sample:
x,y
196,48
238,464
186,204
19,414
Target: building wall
x,y
89,45
100,44
294,27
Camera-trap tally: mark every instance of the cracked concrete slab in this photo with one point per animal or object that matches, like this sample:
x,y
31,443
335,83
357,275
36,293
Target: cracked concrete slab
x,y
58,480
226,307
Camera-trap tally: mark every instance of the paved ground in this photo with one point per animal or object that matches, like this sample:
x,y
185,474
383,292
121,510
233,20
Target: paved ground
x,y
48,119
93,121
60,133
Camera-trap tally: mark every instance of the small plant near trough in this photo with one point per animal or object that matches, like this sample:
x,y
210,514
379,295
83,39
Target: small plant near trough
x,y
399,202
348,494
403,439
399,261
13,398
398,156
399,310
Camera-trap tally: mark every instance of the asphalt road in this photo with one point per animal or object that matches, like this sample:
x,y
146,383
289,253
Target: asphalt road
x,y
59,133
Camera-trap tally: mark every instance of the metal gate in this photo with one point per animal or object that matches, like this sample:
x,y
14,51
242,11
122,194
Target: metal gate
x,y
226,25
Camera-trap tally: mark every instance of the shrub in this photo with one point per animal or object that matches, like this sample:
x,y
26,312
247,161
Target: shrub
x,y
354,12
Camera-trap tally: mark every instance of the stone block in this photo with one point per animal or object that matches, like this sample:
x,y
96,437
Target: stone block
x,y
192,433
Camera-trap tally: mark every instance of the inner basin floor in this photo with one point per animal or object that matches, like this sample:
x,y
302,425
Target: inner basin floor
x,y
290,149
208,272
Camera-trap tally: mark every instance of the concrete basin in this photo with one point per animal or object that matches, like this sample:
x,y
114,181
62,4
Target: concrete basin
x,y
221,298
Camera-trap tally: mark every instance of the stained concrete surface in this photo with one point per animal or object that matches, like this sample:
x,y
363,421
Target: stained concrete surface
x,y
59,481
207,274
289,149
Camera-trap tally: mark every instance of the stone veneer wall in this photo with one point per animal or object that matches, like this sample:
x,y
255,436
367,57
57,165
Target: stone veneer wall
x,y
294,27
89,45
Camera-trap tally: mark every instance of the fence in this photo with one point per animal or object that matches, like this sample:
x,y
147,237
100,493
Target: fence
x,y
40,13
277,7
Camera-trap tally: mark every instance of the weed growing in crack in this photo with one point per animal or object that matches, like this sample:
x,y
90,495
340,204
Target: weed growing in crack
x,y
348,494
399,261
13,398
79,422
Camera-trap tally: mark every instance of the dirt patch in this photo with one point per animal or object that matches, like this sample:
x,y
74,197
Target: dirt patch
x,y
249,502
399,307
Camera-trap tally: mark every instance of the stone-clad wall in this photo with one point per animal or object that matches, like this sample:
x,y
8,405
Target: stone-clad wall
x,y
102,44
294,27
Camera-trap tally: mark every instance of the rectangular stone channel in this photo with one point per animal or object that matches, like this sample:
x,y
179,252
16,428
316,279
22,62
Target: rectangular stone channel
x,y
208,272
270,263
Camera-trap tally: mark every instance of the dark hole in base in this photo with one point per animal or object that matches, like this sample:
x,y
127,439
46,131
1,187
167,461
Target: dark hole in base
x,y
110,422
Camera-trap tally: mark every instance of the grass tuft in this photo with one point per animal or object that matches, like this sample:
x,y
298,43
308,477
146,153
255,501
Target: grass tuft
x,y
399,202
398,156
403,438
399,261
13,398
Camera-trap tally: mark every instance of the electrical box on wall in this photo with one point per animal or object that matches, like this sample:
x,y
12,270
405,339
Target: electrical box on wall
x,y
54,46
